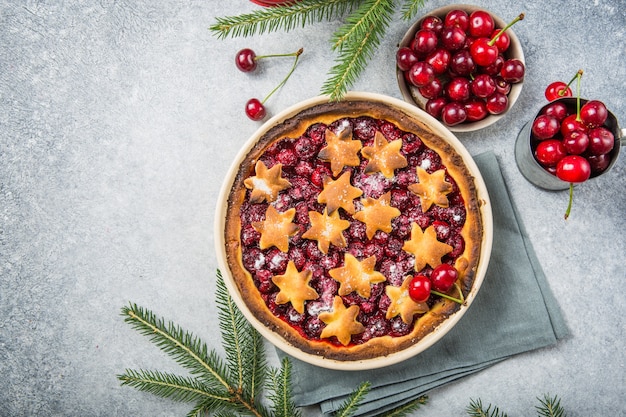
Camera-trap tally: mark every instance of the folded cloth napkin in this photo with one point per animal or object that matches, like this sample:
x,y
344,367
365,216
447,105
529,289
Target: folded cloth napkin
x,y
513,312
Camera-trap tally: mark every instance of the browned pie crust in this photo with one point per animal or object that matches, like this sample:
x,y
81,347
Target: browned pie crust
x,y
472,233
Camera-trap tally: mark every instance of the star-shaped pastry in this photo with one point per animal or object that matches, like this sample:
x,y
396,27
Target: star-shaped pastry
x,y
384,156
294,287
339,193
425,247
341,322
431,188
402,304
267,183
357,276
276,228
327,229
377,214
340,150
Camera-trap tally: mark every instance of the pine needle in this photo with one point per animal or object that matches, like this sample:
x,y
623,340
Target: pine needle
x,y
281,394
411,7
550,407
351,404
407,408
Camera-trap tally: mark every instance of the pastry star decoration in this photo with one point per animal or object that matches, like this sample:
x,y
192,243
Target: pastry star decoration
x,y
377,214
402,304
341,322
340,150
384,156
431,188
425,247
267,183
357,276
276,228
327,229
339,193
294,287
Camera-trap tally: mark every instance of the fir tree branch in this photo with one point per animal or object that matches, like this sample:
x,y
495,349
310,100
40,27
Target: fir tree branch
x,y
281,394
550,407
188,350
356,41
352,403
407,408
476,409
411,7
286,18
242,344
174,387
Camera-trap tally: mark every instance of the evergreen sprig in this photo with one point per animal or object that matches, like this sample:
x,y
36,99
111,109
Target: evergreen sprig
x,y
354,41
550,407
227,387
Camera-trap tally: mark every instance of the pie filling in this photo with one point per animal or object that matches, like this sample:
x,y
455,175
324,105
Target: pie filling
x,y
334,223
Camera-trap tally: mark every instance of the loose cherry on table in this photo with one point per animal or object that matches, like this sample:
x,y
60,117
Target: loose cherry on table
x,y
419,288
246,61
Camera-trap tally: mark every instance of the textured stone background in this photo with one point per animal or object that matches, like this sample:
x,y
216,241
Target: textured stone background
x,y
118,120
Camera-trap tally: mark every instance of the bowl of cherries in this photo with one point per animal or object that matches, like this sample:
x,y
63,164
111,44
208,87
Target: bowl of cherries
x,y
461,64
569,141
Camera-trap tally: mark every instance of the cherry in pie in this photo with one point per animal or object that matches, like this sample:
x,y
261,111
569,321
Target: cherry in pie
x,y
331,214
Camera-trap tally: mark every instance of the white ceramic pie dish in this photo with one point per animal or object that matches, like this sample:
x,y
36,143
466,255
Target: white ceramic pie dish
x,y
412,95
422,344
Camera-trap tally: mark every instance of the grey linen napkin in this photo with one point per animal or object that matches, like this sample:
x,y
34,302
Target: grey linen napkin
x,y
514,312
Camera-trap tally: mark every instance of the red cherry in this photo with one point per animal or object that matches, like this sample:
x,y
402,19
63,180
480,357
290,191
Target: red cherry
x,y
513,71
593,113
481,24
502,86
483,53
545,127
569,124
573,169
462,63
245,60
576,142
556,90
453,113
549,152
458,18
476,110
497,103
432,90
452,38
599,163
483,86
503,41
255,109
443,277
495,68
558,110
405,58
439,59
601,141
458,89
421,73
424,42
435,106
433,23
419,288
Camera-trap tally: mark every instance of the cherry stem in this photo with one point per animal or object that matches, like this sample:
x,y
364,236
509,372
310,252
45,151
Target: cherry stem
x,y
564,90
298,52
579,75
459,300
514,21
295,62
571,200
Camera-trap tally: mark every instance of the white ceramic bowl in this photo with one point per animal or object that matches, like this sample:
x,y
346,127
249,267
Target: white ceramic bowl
x,y
424,343
412,95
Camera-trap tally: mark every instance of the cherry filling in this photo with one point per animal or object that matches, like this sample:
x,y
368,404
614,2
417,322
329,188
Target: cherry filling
x,y
305,171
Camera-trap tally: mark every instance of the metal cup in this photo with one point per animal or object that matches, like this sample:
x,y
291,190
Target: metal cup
x,y
536,174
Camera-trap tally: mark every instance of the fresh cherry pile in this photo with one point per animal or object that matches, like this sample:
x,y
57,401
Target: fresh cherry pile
x,y
460,66
246,61
572,142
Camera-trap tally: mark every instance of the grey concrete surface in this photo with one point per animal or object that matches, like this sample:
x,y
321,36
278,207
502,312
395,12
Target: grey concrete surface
x,y
117,122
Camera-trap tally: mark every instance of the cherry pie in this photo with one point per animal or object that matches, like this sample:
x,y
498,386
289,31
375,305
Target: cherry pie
x,y
331,214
